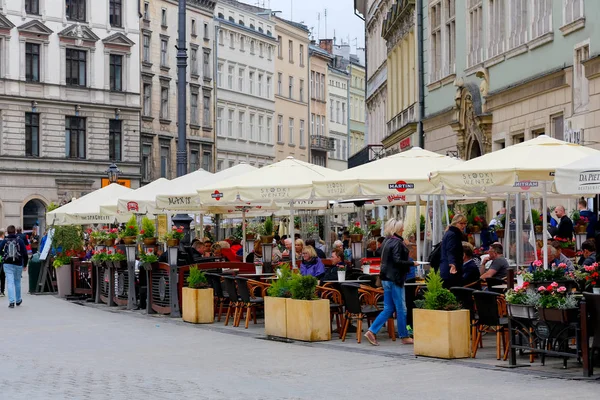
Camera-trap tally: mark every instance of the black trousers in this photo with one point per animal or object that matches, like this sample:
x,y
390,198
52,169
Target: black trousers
x,y
2,279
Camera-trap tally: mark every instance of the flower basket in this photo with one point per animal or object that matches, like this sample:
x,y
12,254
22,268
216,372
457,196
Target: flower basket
x,y
422,235
563,316
475,229
539,229
128,239
500,233
109,242
376,232
522,311
266,239
150,241
581,229
355,238
172,242
250,236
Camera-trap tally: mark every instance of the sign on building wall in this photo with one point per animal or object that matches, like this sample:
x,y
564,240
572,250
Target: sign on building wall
x,y
122,182
573,135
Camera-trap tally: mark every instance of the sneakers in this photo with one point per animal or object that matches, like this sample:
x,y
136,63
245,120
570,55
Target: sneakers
x,y
2,294
11,305
407,341
19,302
371,338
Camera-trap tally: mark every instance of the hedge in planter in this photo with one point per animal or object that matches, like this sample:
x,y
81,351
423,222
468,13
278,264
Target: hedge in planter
x,y
198,299
308,317
275,304
67,242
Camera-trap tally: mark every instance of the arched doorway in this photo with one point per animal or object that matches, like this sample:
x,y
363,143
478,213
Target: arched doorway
x,y
34,212
474,151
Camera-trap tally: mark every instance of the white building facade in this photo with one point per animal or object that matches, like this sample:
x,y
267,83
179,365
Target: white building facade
x,y
337,103
245,108
69,101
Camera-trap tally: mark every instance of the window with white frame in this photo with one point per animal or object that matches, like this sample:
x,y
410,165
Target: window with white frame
x,y
312,124
269,129
475,33
301,89
251,127
542,18
220,121
318,124
331,114
194,109
146,49
261,122
291,87
323,124
312,84
581,96
519,23
280,129
450,39
261,48
301,54
252,47
242,43
435,22
279,83
231,40
260,85
230,70
230,123
251,82
164,102
241,123
302,139
164,46
241,73
497,27
291,130
220,75
268,87
147,106
573,10
337,112
344,113
322,87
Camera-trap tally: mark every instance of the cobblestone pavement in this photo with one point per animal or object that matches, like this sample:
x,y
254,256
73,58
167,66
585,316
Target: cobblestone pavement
x,y
53,349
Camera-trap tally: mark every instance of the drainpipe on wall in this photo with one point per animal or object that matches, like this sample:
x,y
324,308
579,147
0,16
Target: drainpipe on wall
x,y
309,91
348,130
421,73
215,89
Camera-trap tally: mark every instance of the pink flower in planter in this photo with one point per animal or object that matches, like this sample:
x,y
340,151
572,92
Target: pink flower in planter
x,y
562,265
589,268
561,289
537,263
554,284
541,289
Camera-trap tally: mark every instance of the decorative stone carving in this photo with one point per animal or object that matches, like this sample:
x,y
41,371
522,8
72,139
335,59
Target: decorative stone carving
x,y
472,126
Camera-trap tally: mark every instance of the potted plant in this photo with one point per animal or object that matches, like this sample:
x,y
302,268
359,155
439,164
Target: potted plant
x,y
198,299
422,227
366,267
580,223
174,236
441,329
129,234
110,235
251,229
588,278
521,302
308,317
117,257
523,276
67,242
97,236
100,256
341,273
556,304
356,232
375,227
275,308
148,232
148,258
266,231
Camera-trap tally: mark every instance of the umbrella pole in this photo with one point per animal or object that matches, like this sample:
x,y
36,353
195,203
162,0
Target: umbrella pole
x,y
446,208
292,236
545,224
244,234
519,228
531,227
427,222
418,221
506,242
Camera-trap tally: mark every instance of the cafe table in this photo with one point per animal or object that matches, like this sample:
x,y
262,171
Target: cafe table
x,y
349,281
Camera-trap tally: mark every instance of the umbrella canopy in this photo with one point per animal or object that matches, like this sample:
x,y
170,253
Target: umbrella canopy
x,y
393,177
579,177
284,181
143,200
97,207
521,167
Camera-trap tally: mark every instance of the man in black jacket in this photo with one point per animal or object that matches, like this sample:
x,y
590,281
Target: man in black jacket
x,y
14,254
565,225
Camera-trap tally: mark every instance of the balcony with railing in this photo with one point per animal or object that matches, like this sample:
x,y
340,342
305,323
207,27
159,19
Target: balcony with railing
x,y
404,117
366,154
323,143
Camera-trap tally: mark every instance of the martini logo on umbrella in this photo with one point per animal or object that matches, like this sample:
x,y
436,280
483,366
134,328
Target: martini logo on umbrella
x,y
526,185
217,195
133,206
401,186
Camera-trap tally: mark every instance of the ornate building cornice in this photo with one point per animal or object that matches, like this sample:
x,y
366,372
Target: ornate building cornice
x,y
398,22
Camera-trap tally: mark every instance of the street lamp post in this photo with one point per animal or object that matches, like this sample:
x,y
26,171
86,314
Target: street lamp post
x,y
113,172
181,92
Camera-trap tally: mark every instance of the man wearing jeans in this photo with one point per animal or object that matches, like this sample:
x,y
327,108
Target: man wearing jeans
x,y
14,254
2,274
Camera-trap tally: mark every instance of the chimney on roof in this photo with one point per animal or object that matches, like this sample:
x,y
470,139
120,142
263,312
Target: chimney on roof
x,y
327,45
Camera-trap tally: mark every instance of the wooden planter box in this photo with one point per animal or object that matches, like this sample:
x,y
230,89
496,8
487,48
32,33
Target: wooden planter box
x,y
63,280
557,315
198,306
308,320
442,334
275,316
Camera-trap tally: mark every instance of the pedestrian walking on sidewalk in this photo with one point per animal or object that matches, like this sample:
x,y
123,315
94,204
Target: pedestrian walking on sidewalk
x,y
14,255
2,274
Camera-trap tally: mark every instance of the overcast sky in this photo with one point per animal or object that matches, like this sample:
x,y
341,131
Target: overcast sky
x,y
340,17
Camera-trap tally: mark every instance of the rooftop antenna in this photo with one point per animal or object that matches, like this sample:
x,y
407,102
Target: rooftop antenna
x,y
325,23
318,26
291,10
334,39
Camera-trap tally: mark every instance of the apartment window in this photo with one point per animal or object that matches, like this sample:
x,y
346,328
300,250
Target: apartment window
x,y
220,75
312,84
279,83
312,124
114,139
75,10
194,60
194,157
241,73
301,55
337,112
219,165
331,114
251,127
75,137
220,122
221,38
146,50
518,138
301,89
241,121
165,159
344,113
163,17
269,53
260,49
322,87
32,134
344,148
231,40
194,32
230,123
115,8
435,20
450,26
280,129
146,11
164,102
279,47
581,96
230,77
32,62
268,87
497,30
269,129
302,140
252,47
475,33
519,23
260,85
242,43
291,130
542,18
251,82
206,31
206,110
206,64
537,132
291,51
557,126
164,45
291,87
231,164
261,121
76,67
32,7
337,149
147,100
116,73
206,160
323,124
146,162
194,109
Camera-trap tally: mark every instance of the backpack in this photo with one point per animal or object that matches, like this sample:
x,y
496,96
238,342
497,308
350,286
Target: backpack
x,y
435,257
12,254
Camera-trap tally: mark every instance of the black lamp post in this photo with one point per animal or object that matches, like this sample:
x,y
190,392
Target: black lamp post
x,y
113,173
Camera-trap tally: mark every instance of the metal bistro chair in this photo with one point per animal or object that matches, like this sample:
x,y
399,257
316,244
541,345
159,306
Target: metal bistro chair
x,y
593,308
465,298
491,315
248,303
215,282
491,282
354,310
235,304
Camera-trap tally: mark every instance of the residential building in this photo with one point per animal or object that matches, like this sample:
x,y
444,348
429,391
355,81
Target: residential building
x,y
70,101
506,72
320,142
337,103
356,106
159,34
291,94
245,84
402,95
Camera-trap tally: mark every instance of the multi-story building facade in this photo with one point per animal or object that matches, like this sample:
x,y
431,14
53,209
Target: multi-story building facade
x,y
245,84
291,94
356,106
70,101
159,36
320,143
505,72
337,100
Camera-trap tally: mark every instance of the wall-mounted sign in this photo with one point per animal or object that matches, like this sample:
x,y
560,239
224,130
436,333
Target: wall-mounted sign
x,y
405,143
122,182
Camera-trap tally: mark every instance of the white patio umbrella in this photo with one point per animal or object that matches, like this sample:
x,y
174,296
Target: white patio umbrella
x,y
143,200
580,177
99,206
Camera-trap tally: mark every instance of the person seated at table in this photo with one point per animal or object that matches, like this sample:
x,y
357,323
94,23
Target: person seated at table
x,y
371,248
588,248
346,239
380,240
499,267
470,265
256,254
236,245
560,257
226,252
299,244
311,264
338,244
320,253
287,253
337,261
198,250
485,234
